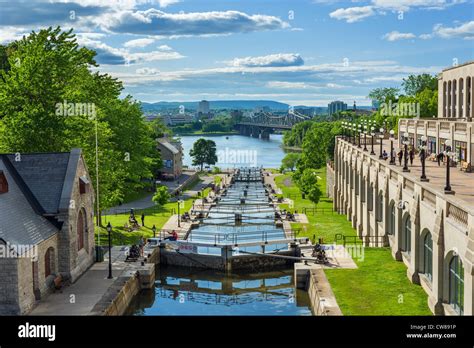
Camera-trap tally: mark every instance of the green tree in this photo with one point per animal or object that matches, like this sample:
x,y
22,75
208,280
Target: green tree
x,y
415,84
308,184
203,152
290,160
161,196
384,95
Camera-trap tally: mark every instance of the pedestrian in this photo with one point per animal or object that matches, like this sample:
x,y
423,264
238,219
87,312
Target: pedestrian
x,y
141,244
400,157
440,158
143,219
412,156
384,155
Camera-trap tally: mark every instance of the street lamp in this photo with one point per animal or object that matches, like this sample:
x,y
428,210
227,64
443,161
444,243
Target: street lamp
x,y
392,155
154,231
381,136
405,142
179,213
423,148
448,153
372,135
109,231
365,137
359,127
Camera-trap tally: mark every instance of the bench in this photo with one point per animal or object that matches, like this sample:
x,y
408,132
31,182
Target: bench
x,y
466,166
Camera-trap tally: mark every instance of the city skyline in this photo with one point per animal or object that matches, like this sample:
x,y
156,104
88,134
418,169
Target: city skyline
x,y
306,53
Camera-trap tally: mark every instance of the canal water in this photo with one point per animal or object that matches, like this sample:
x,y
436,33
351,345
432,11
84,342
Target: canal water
x,y
183,291
239,150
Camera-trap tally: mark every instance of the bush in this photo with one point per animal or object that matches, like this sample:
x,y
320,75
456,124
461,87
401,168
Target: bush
x,y
161,196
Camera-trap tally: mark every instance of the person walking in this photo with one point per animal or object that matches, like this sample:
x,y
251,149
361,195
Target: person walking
x,y
412,155
400,157
440,158
143,219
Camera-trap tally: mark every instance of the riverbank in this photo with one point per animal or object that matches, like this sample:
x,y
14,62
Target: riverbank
x,y
206,133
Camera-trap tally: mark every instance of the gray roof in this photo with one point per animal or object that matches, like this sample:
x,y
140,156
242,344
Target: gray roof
x,y
44,174
19,222
168,146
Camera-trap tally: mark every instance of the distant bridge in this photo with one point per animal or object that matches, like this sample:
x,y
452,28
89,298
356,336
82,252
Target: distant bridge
x,y
264,123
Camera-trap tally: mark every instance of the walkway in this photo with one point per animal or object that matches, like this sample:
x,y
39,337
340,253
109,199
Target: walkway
x,y
81,297
461,182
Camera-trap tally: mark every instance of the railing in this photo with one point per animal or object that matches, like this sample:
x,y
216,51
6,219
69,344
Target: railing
x,y
314,210
355,240
409,185
457,214
444,125
460,127
393,175
431,125
428,197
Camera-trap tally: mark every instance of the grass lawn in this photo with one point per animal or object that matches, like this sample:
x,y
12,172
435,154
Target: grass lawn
x,y
379,286
324,223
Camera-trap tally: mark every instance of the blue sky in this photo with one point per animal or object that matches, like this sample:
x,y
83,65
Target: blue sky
x,y
300,52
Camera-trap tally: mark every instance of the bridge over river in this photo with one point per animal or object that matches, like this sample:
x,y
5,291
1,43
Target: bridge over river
x,y
264,123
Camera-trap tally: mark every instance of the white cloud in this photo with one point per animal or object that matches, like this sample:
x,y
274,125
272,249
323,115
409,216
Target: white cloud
x,y
272,60
287,85
8,34
122,4
147,71
159,23
395,35
352,14
139,43
463,31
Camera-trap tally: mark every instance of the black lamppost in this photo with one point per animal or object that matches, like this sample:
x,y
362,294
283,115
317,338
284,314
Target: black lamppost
x,y
381,136
179,213
365,137
154,231
392,155
344,132
372,135
448,153
353,134
423,158
109,231
359,127
405,142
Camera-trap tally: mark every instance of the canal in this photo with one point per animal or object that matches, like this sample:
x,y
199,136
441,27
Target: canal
x,y
239,150
182,291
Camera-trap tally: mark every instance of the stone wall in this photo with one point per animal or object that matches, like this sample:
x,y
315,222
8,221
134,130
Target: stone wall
x,y
9,304
329,182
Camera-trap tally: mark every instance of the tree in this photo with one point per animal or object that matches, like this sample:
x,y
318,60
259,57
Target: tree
x,y
384,95
308,184
289,161
415,84
203,151
161,196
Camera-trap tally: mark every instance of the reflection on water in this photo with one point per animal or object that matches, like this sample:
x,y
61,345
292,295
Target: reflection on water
x,y
183,291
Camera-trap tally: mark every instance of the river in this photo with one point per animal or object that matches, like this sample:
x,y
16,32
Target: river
x,y
239,150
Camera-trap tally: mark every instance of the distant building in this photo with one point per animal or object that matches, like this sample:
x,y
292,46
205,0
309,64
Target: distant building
x,y
336,106
203,107
176,119
46,225
236,115
172,156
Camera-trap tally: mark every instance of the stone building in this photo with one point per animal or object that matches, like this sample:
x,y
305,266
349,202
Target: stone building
x,y
172,156
432,232
46,225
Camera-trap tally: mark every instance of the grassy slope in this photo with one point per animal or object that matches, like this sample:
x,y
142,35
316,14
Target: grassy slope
x,y
380,285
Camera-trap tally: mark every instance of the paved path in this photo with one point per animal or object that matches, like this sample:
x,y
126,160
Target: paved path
x,y
86,291
461,182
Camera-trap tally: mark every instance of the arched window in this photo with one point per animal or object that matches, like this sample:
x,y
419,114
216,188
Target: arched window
x,y
406,241
80,229
456,284
49,262
391,222
428,256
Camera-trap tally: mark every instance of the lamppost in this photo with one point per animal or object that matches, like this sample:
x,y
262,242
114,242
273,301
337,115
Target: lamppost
x,y
353,134
448,153
423,158
154,231
392,155
381,136
405,142
109,231
372,135
365,137
179,213
359,127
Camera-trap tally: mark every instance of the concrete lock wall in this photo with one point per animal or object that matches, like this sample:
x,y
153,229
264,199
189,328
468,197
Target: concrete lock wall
x,y
367,190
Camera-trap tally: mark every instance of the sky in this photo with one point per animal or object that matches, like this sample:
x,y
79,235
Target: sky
x,y
300,52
